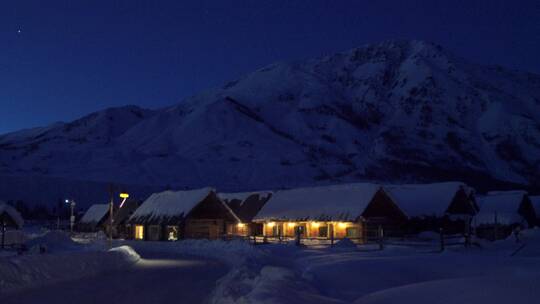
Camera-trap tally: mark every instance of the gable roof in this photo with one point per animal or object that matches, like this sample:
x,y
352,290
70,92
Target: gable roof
x,y
417,200
168,206
243,196
246,205
338,202
504,204
123,213
95,214
12,213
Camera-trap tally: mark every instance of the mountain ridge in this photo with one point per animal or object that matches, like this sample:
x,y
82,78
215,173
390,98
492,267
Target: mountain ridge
x,y
396,111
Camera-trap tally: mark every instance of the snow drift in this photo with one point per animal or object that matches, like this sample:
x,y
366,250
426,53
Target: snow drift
x,y
19,272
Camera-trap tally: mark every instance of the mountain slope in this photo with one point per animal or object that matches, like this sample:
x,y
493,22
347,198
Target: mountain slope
x,y
393,111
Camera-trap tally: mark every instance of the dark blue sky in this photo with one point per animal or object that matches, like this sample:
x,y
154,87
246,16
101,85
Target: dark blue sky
x,y
74,57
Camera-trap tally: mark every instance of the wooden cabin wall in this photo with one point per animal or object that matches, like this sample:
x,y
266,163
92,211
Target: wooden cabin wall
x,y
461,204
383,212
211,208
315,229
204,228
495,232
209,219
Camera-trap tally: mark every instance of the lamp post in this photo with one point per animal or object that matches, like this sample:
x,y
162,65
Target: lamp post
x,y
111,202
124,196
72,217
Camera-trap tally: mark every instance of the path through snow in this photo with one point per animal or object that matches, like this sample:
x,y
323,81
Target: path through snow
x,y
157,278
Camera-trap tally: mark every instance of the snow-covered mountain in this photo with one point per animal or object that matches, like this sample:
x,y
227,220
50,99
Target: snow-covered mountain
x,y
397,111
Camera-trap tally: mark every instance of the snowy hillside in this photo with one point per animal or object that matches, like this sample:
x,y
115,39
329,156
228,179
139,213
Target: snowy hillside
x,y
398,111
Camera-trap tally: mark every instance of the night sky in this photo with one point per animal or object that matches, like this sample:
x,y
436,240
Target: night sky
x,y
60,60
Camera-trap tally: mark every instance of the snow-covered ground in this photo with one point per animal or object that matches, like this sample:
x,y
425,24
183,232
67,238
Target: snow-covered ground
x,y
287,274
196,271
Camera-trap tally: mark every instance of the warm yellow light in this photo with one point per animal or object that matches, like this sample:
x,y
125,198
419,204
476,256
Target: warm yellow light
x,y
124,195
271,224
315,224
241,225
291,225
342,225
139,232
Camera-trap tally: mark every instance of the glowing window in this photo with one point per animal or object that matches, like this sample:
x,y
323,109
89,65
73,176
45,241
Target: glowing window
x,y
139,232
172,233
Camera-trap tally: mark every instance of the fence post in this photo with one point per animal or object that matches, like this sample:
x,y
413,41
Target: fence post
x,y
495,228
467,233
364,232
280,234
331,231
3,232
441,232
381,238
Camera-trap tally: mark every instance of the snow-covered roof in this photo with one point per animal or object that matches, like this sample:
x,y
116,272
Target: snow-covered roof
x,y
167,205
128,208
535,200
13,213
95,214
243,196
501,201
246,205
416,200
337,202
504,204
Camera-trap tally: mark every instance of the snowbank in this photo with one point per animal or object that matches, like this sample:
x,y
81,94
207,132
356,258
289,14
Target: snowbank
x,y
513,288
232,253
19,272
53,241
270,285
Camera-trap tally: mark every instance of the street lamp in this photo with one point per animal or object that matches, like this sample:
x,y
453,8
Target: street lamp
x,y
72,217
123,196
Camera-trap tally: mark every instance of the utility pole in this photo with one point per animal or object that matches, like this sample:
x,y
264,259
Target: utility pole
x,y
72,216
111,205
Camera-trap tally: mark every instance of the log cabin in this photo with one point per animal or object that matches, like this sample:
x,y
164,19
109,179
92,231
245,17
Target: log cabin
x,y
412,208
327,212
246,206
503,211
121,227
9,219
172,215
94,219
